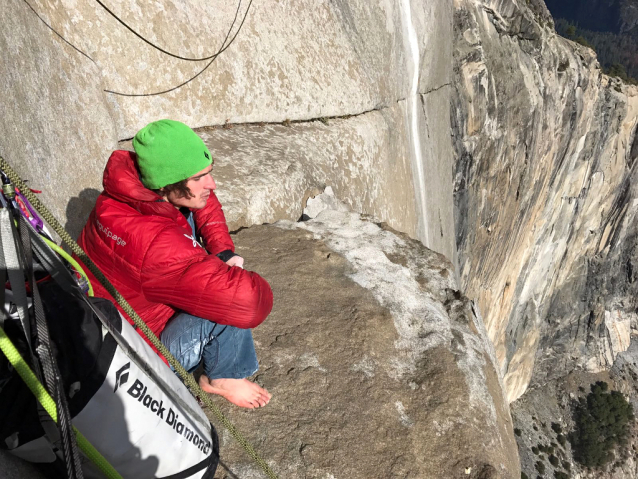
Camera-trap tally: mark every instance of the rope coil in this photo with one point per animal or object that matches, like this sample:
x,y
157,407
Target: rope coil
x,y
187,378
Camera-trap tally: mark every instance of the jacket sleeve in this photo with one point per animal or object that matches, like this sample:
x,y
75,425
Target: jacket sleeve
x,y
177,272
211,226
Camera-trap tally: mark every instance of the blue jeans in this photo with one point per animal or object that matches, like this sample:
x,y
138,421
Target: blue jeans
x,y
227,351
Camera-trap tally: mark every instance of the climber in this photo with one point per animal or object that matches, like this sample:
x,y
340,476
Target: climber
x,y
144,234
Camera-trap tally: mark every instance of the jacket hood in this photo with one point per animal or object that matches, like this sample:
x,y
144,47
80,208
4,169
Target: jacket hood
x,y
121,182
121,179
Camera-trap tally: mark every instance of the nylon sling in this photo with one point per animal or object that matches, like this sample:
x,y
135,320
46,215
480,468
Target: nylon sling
x,y
49,363
11,258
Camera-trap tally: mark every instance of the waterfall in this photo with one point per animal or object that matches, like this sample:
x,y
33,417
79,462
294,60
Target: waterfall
x,y
412,58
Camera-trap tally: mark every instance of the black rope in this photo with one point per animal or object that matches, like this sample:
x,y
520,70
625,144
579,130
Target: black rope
x,y
54,31
214,57
152,44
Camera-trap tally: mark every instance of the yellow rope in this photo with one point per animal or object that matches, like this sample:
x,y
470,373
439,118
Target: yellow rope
x,y
43,397
70,259
186,377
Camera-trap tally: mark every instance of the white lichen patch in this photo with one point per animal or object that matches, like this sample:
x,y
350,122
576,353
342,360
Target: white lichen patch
x,y
309,360
442,427
403,417
284,358
324,201
366,366
226,437
473,365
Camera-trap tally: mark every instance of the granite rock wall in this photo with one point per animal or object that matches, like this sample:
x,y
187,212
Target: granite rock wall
x,y
544,192
57,127
84,75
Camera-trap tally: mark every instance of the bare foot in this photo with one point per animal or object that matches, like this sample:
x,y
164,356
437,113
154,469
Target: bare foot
x,y
240,392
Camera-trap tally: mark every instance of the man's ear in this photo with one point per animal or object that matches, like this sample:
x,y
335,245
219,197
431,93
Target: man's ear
x,y
162,193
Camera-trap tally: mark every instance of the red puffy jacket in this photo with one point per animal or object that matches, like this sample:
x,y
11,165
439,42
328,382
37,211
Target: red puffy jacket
x,y
144,246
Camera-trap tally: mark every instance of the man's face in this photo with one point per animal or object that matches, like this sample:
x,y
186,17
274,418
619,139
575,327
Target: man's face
x,y
201,184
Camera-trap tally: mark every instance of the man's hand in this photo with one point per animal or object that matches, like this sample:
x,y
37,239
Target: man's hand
x,y
236,261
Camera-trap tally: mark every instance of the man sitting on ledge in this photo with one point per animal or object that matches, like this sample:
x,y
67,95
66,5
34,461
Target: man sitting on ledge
x,y
143,233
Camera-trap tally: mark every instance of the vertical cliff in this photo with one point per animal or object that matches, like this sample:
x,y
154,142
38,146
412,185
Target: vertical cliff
x,y
544,190
293,96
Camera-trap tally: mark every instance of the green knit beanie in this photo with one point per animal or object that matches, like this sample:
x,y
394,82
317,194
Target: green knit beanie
x,y
168,151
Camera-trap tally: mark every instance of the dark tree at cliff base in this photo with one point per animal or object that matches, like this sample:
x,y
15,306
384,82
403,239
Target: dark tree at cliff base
x,y
602,422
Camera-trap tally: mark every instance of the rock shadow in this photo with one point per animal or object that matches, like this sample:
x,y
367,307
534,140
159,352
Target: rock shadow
x,y
78,210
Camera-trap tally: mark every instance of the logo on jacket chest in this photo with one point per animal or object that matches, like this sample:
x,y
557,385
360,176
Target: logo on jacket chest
x,y
194,240
109,234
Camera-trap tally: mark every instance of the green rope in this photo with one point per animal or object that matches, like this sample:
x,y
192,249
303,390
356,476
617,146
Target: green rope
x,y
186,377
43,397
70,259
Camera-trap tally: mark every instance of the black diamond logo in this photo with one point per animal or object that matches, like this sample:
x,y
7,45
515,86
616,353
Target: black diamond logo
x,y
121,376
206,155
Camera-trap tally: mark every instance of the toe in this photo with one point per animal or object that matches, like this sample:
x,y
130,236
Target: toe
x,y
256,387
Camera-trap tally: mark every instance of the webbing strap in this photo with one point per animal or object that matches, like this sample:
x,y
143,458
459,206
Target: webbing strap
x,y
14,270
3,282
186,377
49,364
13,263
42,359
46,401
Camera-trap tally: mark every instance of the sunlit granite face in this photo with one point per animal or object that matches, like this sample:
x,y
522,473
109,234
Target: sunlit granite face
x,y
544,192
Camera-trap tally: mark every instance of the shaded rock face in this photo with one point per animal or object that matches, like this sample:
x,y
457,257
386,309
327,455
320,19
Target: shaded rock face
x,y
378,366
56,125
544,191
